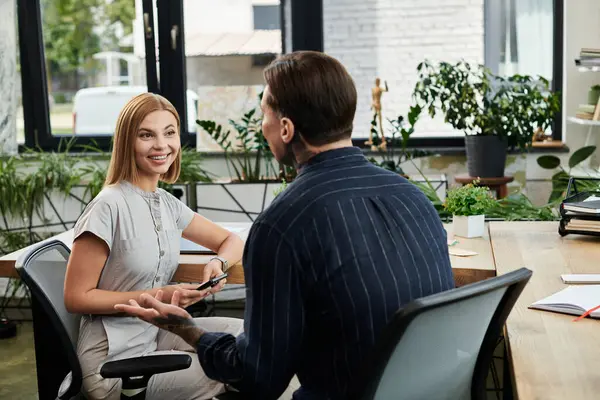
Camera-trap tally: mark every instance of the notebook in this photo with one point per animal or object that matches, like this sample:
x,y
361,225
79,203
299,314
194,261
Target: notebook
x,y
581,278
591,205
575,300
189,247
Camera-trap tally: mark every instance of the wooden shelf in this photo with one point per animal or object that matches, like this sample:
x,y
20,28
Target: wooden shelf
x,y
552,144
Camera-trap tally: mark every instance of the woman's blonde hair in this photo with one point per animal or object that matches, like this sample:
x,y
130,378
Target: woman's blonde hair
x,y
122,162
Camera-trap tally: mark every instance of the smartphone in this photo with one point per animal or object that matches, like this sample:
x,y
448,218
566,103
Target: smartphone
x,y
212,282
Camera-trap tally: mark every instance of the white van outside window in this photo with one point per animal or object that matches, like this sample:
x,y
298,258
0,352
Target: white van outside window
x,y
95,110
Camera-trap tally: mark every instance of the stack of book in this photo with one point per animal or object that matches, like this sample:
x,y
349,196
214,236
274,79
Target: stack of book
x,y
580,212
588,57
586,111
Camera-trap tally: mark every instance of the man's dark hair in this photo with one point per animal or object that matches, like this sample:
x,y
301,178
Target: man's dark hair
x,y
315,92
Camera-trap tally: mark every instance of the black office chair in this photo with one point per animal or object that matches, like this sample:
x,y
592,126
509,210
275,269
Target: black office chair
x,y
56,331
440,346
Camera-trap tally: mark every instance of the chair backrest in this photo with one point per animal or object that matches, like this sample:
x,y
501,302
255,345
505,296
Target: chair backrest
x,y
440,346
43,269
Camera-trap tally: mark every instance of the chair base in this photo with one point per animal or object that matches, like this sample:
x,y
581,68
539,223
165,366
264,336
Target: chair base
x,y
8,329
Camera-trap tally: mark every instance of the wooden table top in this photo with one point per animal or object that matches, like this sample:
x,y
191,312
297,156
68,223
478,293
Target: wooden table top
x,y
190,265
472,268
466,269
552,357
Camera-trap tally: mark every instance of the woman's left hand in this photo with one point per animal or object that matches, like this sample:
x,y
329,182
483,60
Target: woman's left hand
x,y
211,270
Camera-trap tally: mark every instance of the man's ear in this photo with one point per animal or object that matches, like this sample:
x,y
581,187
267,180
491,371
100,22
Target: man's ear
x,y
287,130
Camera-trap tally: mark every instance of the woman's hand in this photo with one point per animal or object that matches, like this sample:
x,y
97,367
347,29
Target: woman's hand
x,y
188,294
211,270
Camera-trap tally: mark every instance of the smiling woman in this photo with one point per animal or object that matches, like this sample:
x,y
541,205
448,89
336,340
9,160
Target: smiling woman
x,y
148,126
126,243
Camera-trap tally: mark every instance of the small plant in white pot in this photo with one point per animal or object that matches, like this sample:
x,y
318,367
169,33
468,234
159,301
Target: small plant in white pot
x,y
468,204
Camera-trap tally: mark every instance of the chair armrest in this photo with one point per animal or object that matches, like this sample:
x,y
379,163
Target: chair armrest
x,y
145,366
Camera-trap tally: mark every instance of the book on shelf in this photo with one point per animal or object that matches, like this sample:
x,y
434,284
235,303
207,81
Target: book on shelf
x,y
581,225
590,205
585,115
574,300
587,62
586,108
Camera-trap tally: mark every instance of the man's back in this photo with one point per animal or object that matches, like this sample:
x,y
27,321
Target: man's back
x,y
353,243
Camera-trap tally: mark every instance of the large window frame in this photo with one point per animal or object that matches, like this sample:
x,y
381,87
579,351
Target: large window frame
x,y
298,19
491,55
36,110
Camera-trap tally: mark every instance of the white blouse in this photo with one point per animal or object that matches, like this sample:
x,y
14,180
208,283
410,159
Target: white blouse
x,y
143,231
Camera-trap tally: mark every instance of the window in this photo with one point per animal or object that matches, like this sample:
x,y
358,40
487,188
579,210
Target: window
x,y
228,44
521,41
11,114
526,39
90,66
508,36
266,17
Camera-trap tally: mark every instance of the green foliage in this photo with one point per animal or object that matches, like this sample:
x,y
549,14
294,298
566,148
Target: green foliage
x,y
517,207
468,200
247,152
397,152
560,179
191,169
69,37
281,188
475,101
74,30
429,191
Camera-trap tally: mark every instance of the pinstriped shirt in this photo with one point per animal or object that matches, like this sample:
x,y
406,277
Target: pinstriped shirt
x,y
326,266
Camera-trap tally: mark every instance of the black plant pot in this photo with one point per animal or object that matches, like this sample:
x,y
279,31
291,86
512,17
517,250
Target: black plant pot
x,y
486,156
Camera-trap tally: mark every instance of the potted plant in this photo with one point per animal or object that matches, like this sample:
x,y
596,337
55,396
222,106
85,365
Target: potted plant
x,y
494,112
593,95
468,205
254,173
560,179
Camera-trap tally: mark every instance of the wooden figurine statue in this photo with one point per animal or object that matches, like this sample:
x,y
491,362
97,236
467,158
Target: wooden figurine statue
x,y
376,93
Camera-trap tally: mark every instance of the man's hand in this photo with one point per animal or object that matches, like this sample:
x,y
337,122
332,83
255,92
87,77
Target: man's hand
x,y
170,317
211,270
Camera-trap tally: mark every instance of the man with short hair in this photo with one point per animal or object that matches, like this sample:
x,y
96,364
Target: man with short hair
x,y
335,255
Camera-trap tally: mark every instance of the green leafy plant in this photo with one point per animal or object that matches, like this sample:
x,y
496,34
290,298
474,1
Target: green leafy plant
x,y
247,153
477,102
469,200
561,178
280,188
517,207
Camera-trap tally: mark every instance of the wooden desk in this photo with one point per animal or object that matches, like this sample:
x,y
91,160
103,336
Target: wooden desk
x,y
551,356
466,269
473,268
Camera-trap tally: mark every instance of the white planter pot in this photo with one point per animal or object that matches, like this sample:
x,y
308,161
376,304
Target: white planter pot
x,y
468,227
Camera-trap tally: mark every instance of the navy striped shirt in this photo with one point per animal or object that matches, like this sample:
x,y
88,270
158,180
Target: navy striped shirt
x,y
326,266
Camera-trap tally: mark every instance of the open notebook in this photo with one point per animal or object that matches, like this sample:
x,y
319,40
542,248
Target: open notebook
x,y
574,300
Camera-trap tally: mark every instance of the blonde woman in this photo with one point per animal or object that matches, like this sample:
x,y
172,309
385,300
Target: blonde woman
x,y
126,242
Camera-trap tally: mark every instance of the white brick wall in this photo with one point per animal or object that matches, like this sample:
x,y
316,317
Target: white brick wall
x,y
388,38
